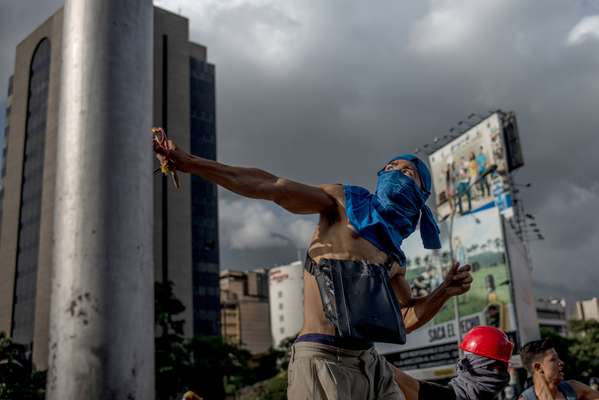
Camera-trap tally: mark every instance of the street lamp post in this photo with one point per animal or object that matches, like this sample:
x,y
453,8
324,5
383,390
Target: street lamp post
x,y
102,307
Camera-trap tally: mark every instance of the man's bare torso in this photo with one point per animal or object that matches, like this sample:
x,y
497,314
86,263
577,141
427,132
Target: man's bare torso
x,y
334,238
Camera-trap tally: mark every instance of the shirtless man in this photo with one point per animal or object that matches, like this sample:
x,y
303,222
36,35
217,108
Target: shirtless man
x,y
543,363
322,365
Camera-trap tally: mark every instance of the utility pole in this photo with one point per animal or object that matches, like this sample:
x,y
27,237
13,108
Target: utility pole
x,y
102,326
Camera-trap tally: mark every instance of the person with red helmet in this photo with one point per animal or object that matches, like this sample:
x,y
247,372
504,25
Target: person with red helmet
x,y
481,373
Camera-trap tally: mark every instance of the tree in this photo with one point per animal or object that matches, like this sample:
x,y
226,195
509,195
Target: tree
x,y
586,346
271,389
284,350
214,362
202,364
18,380
172,359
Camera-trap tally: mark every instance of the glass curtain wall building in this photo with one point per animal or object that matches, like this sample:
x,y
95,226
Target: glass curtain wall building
x,y
204,207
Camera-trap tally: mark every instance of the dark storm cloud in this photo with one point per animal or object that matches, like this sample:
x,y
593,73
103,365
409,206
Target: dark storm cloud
x,y
17,20
350,85
328,91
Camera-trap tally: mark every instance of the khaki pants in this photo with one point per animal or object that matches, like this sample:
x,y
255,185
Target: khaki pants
x,y
318,371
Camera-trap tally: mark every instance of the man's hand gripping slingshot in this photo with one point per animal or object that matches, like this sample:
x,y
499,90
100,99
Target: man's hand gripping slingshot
x,y
161,146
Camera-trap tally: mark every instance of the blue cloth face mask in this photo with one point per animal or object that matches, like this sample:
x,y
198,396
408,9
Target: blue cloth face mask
x,y
392,213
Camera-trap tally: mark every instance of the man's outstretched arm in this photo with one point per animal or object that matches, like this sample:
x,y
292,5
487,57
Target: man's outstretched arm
x,y
251,182
418,311
414,389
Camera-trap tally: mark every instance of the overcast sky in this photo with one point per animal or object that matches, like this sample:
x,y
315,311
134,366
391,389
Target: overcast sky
x,y
328,91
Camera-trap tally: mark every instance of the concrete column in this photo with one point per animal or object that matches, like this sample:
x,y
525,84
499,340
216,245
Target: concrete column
x,y
101,327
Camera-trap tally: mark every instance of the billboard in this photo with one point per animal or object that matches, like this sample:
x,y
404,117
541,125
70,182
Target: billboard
x,y
473,200
479,241
470,173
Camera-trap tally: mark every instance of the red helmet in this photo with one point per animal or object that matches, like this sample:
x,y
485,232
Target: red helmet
x,y
488,342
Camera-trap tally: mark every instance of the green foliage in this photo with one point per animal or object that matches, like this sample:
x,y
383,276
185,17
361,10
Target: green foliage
x,y
586,346
172,359
166,308
273,386
284,352
213,362
206,365
17,380
272,389
264,366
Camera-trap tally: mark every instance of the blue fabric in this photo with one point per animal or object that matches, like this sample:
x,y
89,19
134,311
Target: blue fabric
x,y
391,214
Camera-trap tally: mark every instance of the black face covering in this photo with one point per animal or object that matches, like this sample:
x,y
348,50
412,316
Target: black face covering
x,y
476,381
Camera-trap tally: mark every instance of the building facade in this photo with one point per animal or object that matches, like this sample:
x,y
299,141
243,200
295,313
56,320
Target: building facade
x,y
185,221
244,310
588,309
286,292
552,315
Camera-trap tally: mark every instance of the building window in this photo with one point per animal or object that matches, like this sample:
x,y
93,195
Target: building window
x,y
280,294
10,85
282,330
280,306
281,318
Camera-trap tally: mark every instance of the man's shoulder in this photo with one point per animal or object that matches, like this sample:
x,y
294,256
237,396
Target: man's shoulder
x,y
333,189
336,191
580,388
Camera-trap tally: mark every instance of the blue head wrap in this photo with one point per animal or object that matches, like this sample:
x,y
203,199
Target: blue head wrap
x,y
391,214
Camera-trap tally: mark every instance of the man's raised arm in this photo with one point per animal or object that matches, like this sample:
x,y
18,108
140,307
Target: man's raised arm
x,y
251,182
418,311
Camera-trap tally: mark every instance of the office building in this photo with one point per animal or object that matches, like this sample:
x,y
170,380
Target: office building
x,y
185,221
245,318
588,309
552,315
286,292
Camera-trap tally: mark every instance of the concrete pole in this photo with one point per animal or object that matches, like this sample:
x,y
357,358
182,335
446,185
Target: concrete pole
x,y
101,328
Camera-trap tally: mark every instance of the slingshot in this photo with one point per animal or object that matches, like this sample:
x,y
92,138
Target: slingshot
x,y
160,140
